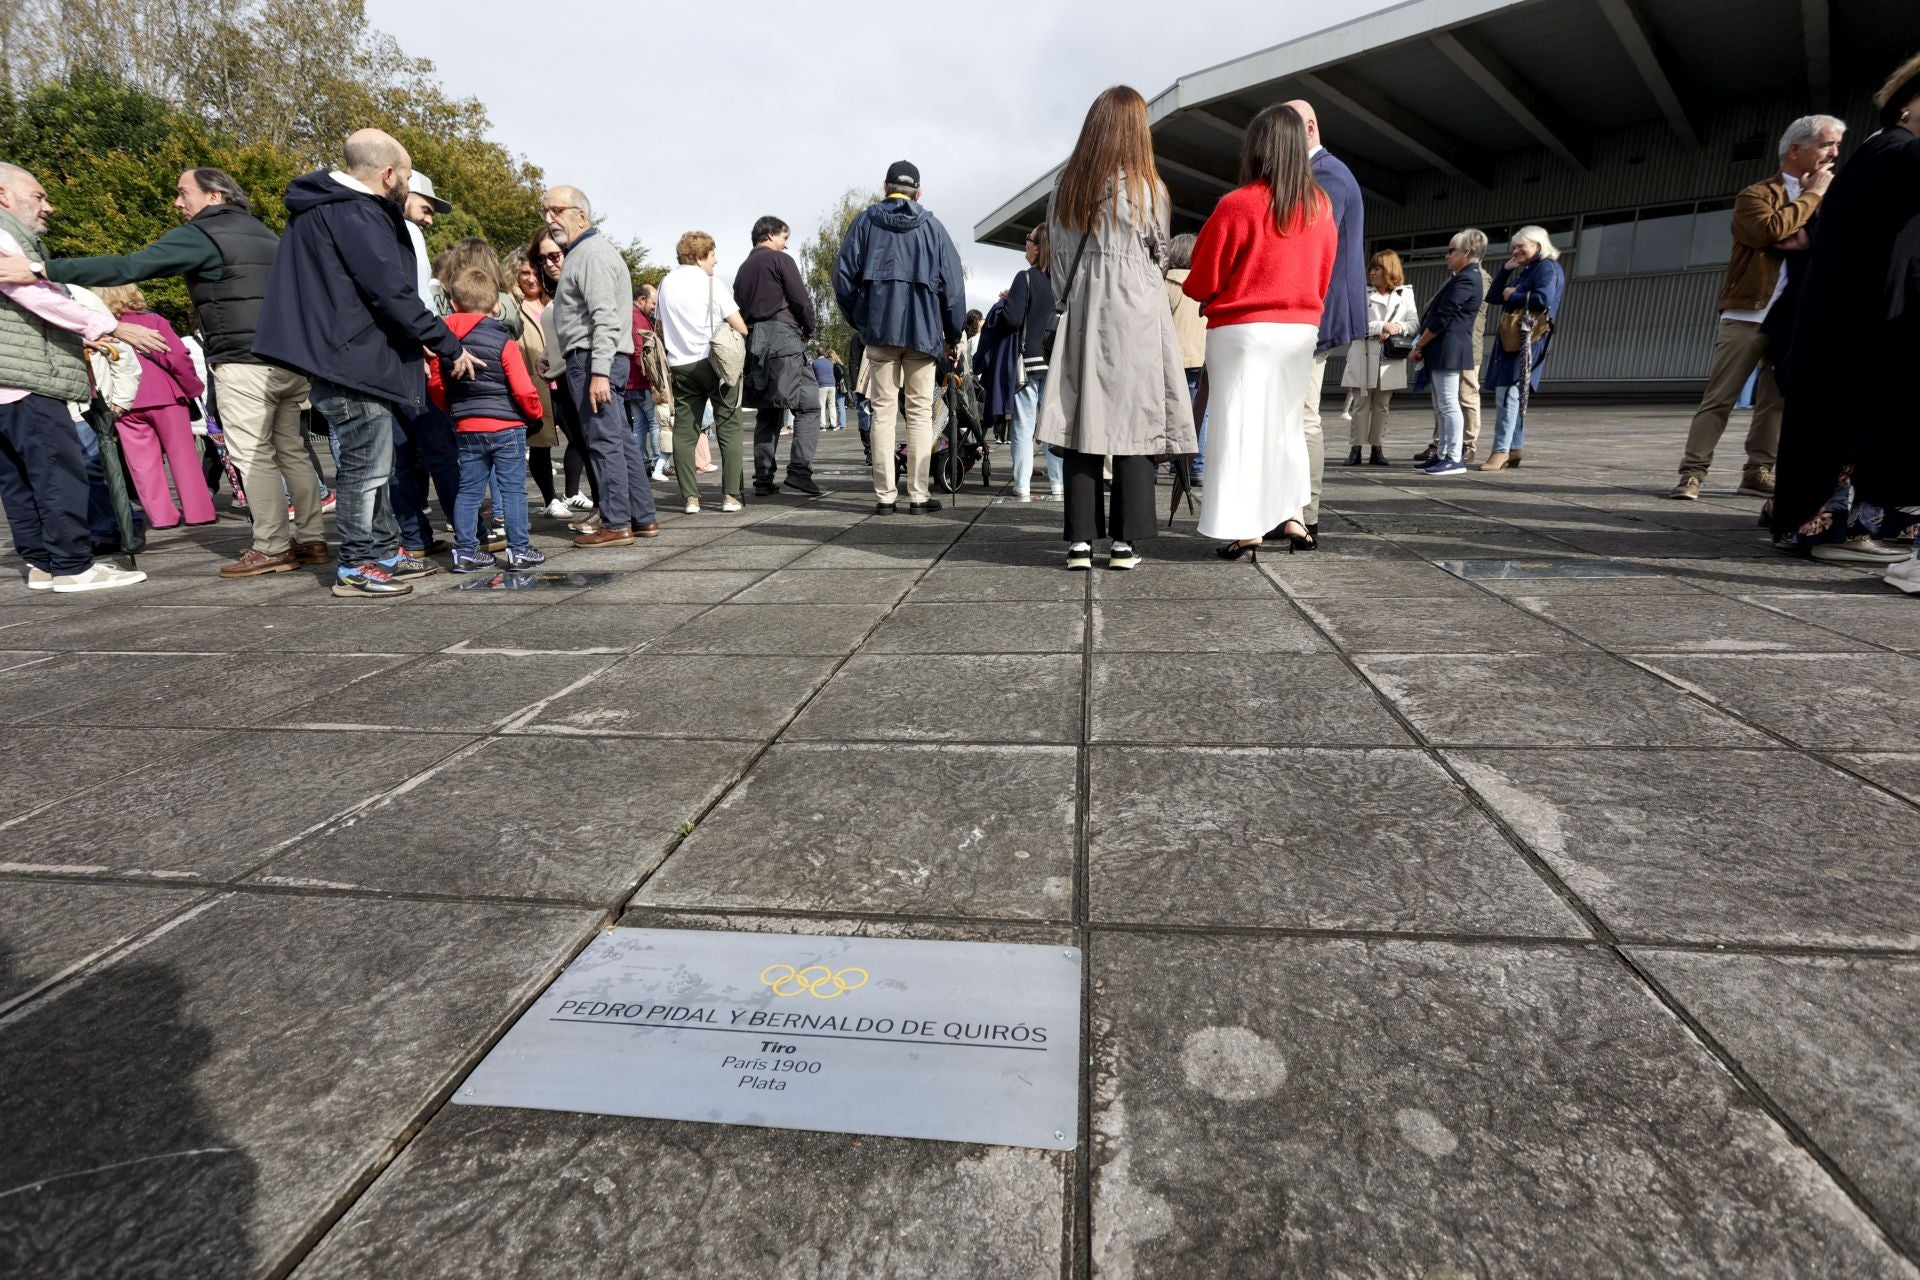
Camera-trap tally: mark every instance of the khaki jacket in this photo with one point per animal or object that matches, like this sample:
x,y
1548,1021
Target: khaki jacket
x,y
1189,326
1762,215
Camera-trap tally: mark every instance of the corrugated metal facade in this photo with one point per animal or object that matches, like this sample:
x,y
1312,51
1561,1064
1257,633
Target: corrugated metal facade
x,y
1628,331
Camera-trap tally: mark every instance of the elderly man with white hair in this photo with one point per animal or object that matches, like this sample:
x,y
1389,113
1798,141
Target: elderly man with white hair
x,y
1770,218
593,327
43,472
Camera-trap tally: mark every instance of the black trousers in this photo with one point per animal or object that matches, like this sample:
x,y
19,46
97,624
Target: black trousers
x,y
1131,494
43,485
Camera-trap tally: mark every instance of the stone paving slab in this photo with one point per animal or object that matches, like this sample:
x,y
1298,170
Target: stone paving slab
x,y
1203,626
1827,1039
751,629
218,693
1685,625
1024,698
26,782
910,836
449,692
1715,846
1897,771
52,928
204,1101
1823,701
686,695
521,818
1306,839
1237,698
982,627
1465,624
1424,1109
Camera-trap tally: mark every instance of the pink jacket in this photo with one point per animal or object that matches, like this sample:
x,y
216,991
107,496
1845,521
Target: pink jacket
x,y
168,378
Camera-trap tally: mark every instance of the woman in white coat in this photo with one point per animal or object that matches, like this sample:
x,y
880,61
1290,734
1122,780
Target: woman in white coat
x,y
1373,373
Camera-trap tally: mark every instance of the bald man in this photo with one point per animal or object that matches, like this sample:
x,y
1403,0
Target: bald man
x,y
342,308
1345,316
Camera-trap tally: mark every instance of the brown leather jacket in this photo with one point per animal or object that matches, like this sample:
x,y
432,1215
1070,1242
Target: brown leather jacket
x,y
1762,215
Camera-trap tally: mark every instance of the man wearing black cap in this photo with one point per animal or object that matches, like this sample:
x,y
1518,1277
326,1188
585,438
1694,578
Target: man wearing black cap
x,y
898,282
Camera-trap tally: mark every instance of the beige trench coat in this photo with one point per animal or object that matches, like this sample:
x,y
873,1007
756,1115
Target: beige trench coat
x,y
1115,384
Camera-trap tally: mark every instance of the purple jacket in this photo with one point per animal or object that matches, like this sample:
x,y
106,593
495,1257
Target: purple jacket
x,y
168,378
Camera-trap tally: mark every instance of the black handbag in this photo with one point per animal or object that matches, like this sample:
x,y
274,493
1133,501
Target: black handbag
x,y
1397,346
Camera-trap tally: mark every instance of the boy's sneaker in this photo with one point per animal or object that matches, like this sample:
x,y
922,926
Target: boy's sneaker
x,y
367,580
496,541
329,504
100,577
403,566
472,561
528,559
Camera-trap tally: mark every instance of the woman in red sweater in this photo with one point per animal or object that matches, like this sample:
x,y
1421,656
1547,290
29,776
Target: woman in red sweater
x,y
1260,273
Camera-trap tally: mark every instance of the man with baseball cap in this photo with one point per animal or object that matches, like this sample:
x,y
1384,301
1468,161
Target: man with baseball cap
x,y
423,444
898,282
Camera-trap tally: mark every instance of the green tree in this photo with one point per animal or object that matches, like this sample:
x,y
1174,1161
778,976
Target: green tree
x,y
816,266
642,271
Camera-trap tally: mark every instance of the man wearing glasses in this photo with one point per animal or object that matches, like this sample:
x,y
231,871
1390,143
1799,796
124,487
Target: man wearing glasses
x,y
593,324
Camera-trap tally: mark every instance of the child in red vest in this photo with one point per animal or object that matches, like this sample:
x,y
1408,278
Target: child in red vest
x,y
490,413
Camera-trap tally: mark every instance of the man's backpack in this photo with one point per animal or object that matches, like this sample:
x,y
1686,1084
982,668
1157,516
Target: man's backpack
x,y
653,362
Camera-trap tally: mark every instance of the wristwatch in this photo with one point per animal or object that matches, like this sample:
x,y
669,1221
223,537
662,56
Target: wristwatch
x,y
38,268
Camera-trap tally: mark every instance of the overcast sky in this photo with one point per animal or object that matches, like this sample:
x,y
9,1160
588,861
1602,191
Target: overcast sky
x,y
680,116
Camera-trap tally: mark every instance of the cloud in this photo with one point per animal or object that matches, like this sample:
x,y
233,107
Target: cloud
x,y
675,117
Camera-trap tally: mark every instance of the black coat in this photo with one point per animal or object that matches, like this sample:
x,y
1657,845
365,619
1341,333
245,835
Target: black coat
x,y
1452,315
341,302
1860,305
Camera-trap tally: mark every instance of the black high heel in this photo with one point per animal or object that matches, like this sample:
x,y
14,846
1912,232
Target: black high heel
x,y
1234,550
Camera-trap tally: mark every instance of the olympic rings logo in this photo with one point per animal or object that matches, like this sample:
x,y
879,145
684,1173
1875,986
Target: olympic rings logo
x,y
815,980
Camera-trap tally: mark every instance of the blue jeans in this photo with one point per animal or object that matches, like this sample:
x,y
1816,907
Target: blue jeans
x,y
497,458
1452,422
626,491
645,421
1026,410
1200,430
361,431
422,448
1509,421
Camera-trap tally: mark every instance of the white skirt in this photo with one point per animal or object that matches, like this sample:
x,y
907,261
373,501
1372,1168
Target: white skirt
x,y
1257,379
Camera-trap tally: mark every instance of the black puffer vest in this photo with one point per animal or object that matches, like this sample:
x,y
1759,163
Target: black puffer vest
x,y
486,394
229,304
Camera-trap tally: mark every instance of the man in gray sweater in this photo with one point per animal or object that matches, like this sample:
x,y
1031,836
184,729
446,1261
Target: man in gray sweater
x,y
593,323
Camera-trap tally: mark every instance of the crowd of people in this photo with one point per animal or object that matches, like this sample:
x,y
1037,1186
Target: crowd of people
x,y
1118,350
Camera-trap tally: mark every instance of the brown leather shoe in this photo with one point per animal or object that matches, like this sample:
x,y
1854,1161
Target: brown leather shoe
x,y
607,536
647,530
253,562
312,553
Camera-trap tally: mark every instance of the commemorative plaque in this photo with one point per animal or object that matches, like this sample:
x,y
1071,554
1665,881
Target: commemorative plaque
x,y
955,1041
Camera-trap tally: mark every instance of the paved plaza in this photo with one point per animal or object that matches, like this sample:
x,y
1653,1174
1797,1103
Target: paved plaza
x,y
1437,924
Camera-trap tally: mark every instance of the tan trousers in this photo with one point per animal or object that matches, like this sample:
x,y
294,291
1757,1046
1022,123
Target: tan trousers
x,y
1469,405
886,371
259,410
1316,444
1369,419
1739,347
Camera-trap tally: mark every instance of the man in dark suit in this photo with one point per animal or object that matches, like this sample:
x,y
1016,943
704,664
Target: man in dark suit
x,y
1345,316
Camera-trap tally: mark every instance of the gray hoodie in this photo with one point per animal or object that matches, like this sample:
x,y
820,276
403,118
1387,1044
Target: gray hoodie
x,y
593,302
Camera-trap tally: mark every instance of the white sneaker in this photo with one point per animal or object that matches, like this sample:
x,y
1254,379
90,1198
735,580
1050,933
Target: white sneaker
x,y
1905,576
732,504
659,471
579,502
38,579
100,577
558,509
693,506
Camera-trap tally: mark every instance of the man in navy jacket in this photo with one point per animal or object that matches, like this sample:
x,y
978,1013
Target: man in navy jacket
x,y
1345,316
342,308
898,282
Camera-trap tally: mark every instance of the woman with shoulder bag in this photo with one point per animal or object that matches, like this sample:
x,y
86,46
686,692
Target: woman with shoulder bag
x,y
1116,388
1445,347
696,316
1377,363
1029,310
1527,289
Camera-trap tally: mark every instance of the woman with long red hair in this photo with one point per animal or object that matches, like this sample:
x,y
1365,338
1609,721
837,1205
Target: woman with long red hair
x,y
1116,388
1260,273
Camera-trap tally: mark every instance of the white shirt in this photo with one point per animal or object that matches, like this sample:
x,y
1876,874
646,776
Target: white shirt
x,y
691,305
1779,285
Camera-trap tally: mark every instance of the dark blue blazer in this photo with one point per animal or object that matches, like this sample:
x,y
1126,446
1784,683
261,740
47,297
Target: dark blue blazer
x,y
341,303
1345,316
1452,314
1538,286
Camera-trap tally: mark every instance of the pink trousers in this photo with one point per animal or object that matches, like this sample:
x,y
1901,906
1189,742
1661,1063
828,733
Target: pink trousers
x,y
144,434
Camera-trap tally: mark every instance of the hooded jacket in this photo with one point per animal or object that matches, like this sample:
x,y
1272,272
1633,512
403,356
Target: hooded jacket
x,y
341,302
898,279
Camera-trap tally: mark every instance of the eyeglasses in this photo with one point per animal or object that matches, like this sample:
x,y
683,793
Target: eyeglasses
x,y
557,208
555,256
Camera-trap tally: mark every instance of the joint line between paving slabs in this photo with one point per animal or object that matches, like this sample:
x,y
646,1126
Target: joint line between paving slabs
x,y
436,1102
1611,941
1077,1247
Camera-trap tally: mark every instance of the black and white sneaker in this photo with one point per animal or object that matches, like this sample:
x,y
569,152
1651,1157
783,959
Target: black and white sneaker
x,y
1080,556
1123,556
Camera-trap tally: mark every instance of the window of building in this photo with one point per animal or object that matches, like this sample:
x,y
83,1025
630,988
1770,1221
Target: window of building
x,y
1606,245
1712,235
1661,239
